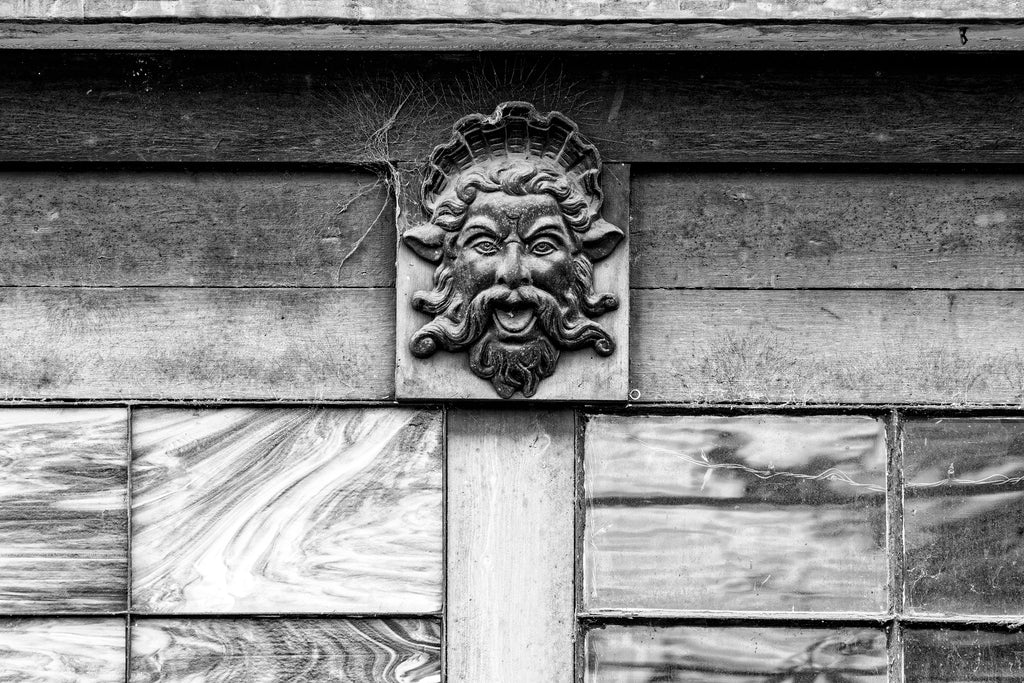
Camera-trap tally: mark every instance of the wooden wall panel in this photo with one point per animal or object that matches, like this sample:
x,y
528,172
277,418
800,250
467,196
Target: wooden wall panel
x,y
828,346
390,10
286,510
384,650
349,108
63,511
49,650
827,229
192,229
197,343
510,570
641,35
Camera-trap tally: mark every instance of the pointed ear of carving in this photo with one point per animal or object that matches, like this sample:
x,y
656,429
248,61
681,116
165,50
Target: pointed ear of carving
x,y
601,239
426,240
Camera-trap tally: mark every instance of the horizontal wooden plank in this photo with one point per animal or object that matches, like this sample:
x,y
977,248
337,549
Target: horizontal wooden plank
x,y
195,229
385,10
629,36
873,346
48,650
63,511
828,346
286,510
796,230
385,650
197,343
345,107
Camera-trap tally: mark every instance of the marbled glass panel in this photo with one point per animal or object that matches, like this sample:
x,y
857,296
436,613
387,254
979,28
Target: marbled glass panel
x,y
940,655
63,509
732,654
273,650
964,516
748,513
287,510
78,650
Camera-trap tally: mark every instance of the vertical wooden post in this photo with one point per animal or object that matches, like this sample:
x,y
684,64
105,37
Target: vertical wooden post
x,y
510,611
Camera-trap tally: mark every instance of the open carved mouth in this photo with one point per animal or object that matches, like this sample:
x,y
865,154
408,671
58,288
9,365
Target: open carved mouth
x,y
514,318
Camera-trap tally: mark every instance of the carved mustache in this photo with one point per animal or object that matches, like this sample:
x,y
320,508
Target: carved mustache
x,y
464,325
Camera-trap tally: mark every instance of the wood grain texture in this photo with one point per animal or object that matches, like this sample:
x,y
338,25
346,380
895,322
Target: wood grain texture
x,y
691,654
739,107
581,375
384,10
822,229
626,36
196,343
286,510
948,656
828,346
736,514
510,513
962,519
62,650
193,229
272,650
63,511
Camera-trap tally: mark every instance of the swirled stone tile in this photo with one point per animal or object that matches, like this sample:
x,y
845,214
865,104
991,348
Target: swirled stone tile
x,y
273,650
62,650
748,513
730,654
287,510
63,510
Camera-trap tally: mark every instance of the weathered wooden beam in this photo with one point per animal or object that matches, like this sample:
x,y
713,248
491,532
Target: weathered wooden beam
x,y
386,10
511,502
688,346
368,108
825,346
631,36
820,229
299,229
102,343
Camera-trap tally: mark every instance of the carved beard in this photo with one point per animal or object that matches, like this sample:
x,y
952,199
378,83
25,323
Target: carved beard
x,y
520,364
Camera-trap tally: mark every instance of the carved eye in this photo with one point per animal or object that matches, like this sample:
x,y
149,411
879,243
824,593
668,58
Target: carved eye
x,y
542,248
485,247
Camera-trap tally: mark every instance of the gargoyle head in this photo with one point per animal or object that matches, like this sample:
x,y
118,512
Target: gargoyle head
x,y
514,229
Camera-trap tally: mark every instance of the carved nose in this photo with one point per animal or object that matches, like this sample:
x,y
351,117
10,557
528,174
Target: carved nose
x,y
510,271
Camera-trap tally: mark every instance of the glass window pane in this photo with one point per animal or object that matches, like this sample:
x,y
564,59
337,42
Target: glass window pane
x,y
964,516
749,513
937,655
729,654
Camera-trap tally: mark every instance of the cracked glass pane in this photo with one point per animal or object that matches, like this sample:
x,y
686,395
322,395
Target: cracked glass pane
x,y
730,654
938,655
759,513
963,515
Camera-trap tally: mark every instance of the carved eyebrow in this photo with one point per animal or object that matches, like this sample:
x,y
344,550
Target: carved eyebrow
x,y
481,225
545,227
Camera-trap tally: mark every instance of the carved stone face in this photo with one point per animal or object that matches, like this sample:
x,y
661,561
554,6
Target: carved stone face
x,y
514,280
511,242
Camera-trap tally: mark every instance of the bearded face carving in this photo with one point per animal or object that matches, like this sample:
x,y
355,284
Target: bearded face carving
x,y
514,231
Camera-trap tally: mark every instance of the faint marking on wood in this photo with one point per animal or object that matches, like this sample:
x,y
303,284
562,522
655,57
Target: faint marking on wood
x,y
510,501
313,344
193,229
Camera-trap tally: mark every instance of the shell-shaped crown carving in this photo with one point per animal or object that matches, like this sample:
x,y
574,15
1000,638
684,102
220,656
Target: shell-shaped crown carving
x,y
515,131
